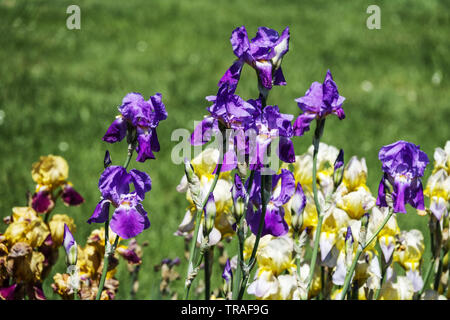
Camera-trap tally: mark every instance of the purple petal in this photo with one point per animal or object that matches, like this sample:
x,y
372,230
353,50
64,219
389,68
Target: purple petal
x,y
144,147
237,190
381,199
142,182
286,150
274,222
130,256
240,43
227,272
70,197
298,203
312,100
116,131
42,202
301,124
114,181
229,161
278,78
203,131
330,91
401,188
416,195
69,240
101,212
264,69
232,75
158,107
287,187
7,293
128,222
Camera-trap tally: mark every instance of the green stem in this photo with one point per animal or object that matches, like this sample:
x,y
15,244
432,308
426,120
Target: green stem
x,y
207,274
193,251
437,278
238,274
361,248
108,254
131,148
316,142
241,242
266,183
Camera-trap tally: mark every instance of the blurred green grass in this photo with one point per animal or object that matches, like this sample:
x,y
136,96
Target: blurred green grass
x,y
60,88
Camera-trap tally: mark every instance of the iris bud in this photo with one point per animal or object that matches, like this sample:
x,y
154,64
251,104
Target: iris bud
x,y
298,204
338,173
70,246
210,215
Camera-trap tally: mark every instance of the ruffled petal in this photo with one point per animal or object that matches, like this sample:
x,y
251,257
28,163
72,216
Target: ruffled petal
x,y
286,150
71,197
204,131
142,182
144,147
101,212
128,222
301,124
42,202
116,131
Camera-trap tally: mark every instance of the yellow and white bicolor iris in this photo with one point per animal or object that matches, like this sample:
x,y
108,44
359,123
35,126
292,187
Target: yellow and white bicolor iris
x,y
325,166
438,190
401,289
442,158
204,165
409,255
387,236
276,277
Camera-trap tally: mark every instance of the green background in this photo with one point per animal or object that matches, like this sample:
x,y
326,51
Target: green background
x,y
61,88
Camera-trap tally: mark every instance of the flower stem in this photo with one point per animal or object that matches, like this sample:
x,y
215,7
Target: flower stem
x,y
194,251
108,254
131,148
361,248
266,184
208,266
320,124
241,241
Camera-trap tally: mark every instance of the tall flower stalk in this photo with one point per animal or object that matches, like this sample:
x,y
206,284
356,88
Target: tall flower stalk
x,y
137,122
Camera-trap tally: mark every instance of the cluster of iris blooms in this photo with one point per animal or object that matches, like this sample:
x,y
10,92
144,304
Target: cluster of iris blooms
x,y
334,211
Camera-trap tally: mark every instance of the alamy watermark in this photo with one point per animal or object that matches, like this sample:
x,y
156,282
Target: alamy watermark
x,y
374,20
74,20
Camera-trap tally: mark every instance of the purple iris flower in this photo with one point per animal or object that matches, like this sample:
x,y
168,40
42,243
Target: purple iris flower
x,y
283,188
42,201
142,115
271,125
320,100
70,246
403,164
129,218
264,53
227,273
228,111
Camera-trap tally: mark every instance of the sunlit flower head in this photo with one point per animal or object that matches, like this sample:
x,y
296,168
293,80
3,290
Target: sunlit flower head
x,y
403,164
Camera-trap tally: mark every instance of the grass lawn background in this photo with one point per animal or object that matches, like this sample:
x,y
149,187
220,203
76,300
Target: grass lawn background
x,y
60,88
